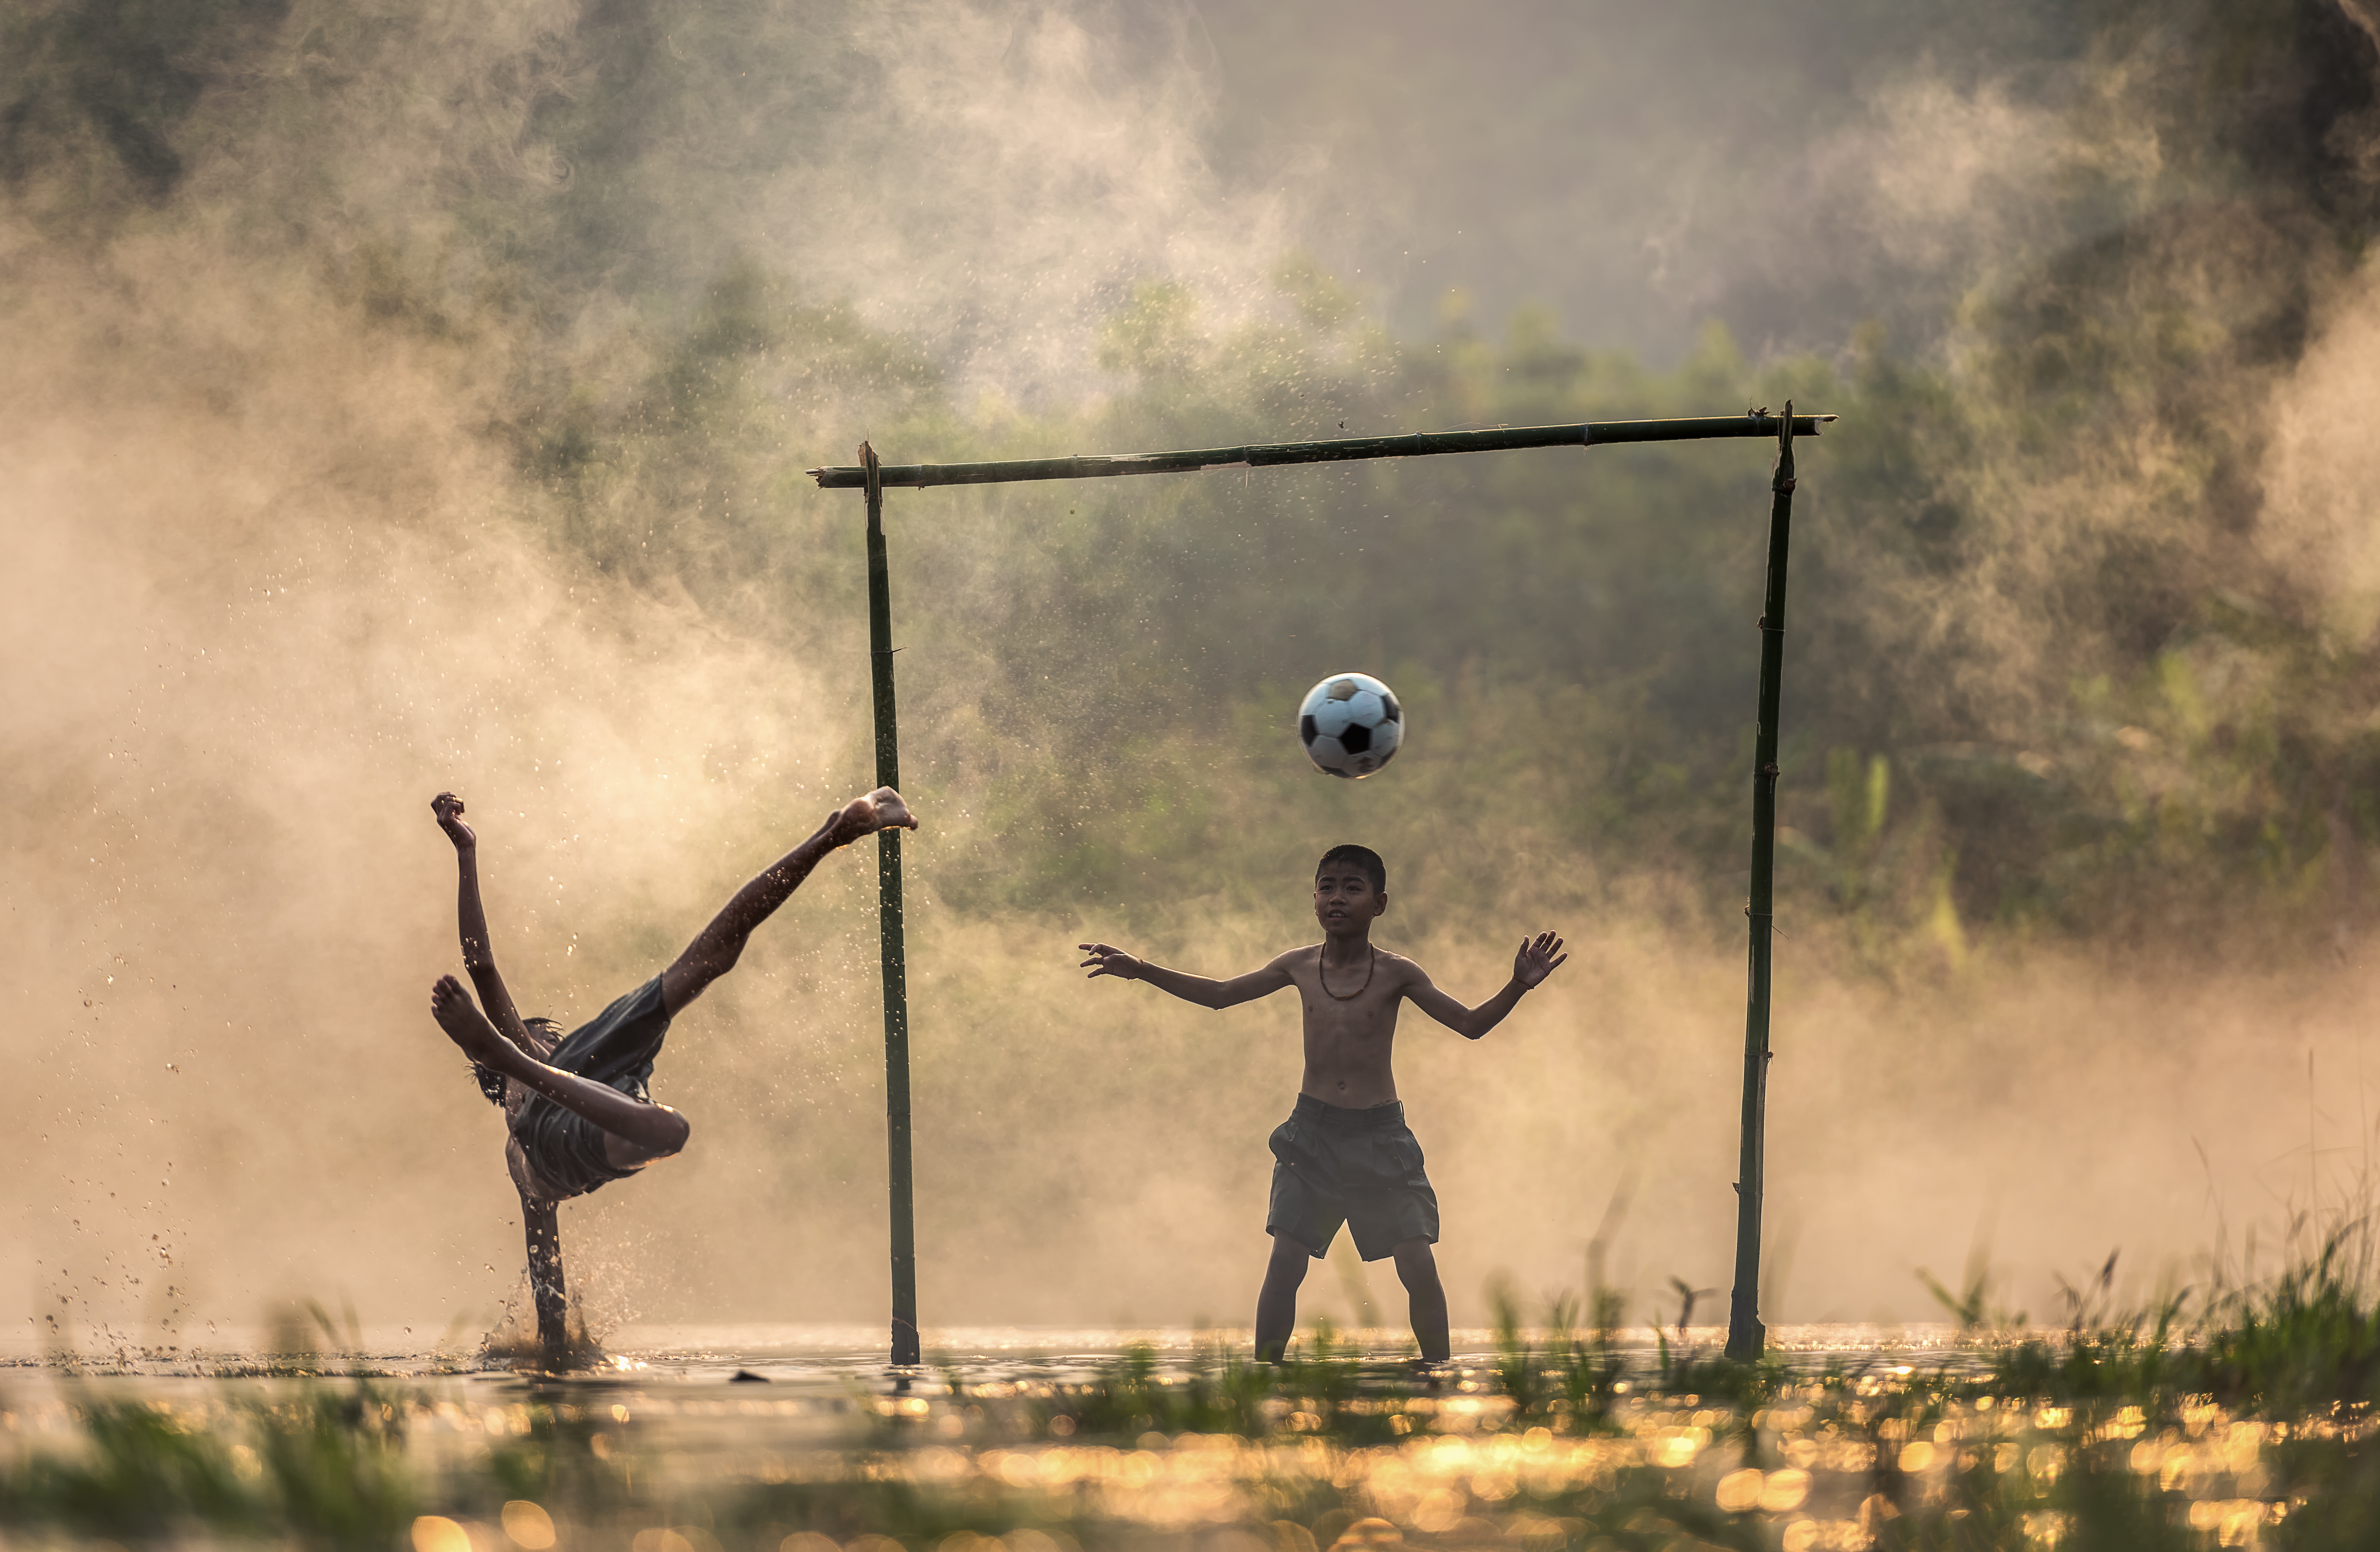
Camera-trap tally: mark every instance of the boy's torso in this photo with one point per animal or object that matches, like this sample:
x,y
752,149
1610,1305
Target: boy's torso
x,y
554,1153
1350,1024
526,1178
517,1163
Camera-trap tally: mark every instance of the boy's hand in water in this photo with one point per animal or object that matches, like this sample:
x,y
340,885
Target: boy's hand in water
x,y
449,809
862,816
1536,959
1107,959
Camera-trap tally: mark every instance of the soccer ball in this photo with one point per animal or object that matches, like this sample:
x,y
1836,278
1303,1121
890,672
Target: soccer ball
x,y
1351,725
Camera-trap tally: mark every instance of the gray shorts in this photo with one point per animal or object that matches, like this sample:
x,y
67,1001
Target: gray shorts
x,y
1333,1165
616,1048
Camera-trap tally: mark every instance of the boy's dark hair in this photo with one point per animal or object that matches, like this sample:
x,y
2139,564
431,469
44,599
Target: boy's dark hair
x,y
491,1082
1363,857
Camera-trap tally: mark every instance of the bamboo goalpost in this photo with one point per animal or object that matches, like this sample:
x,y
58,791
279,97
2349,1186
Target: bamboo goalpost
x,y
1746,1336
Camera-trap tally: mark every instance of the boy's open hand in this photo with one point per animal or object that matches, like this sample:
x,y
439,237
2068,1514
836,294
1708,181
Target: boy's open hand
x,y
1107,959
1537,960
449,809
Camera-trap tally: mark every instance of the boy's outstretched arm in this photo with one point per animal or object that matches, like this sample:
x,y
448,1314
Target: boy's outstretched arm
x,y
1537,959
471,923
1107,959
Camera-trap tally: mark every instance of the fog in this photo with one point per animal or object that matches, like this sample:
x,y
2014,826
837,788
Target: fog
x,y
301,301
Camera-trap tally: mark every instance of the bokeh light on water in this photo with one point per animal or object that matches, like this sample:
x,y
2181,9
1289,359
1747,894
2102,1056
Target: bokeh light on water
x,y
702,1447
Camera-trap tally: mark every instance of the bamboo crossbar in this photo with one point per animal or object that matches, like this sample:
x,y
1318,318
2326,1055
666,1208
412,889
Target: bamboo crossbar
x,y
1495,439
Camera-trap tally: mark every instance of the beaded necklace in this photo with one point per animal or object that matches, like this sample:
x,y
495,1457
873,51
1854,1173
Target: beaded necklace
x,y
1371,965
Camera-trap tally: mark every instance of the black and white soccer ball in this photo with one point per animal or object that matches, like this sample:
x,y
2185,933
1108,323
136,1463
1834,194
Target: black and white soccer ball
x,y
1351,725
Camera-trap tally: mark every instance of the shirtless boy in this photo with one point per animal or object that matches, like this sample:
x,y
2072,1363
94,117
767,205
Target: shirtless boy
x,y
576,1115
1345,1154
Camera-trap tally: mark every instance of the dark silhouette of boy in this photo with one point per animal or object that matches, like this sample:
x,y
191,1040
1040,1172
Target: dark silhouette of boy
x,y
1345,1154
577,1112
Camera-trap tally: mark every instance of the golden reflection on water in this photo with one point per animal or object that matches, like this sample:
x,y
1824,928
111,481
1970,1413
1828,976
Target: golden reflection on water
x,y
1817,1466
1795,1466
527,1524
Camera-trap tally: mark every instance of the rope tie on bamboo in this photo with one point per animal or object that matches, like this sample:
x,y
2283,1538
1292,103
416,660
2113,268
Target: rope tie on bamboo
x,y
1783,487
1767,629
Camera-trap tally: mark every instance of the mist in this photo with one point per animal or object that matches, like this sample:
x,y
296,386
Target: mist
x,y
403,400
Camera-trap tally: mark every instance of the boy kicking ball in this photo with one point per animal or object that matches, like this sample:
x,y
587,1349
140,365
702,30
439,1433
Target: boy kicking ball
x,y
576,1115
1345,1154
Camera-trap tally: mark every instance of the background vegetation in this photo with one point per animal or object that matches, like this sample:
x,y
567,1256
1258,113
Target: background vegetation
x,y
525,322
2045,676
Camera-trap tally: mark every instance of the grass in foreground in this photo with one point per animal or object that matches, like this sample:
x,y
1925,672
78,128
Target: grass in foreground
x,y
2249,1426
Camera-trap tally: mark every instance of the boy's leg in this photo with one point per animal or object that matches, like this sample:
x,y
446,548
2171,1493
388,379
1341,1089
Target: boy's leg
x,y
543,1223
716,948
1417,1270
1277,1302
649,1131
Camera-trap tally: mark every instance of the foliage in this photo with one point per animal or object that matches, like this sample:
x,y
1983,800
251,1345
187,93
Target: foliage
x,y
321,1462
2044,674
1219,1392
2241,1409
2252,1418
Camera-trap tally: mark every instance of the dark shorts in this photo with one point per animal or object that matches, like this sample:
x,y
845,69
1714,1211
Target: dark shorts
x,y
616,1048
1333,1165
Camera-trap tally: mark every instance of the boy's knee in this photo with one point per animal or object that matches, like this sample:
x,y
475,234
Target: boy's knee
x,y
1289,1259
666,1138
1414,1263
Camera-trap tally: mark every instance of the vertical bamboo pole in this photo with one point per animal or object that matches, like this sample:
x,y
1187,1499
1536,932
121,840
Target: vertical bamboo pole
x,y
888,909
1745,1335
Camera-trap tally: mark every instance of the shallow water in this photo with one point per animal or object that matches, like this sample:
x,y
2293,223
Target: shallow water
x,y
842,1359
786,1438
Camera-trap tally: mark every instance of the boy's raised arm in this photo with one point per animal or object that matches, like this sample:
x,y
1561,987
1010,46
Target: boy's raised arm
x,y
1537,959
1107,959
471,924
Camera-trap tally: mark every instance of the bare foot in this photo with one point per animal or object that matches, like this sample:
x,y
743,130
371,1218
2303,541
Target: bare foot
x,y
466,1026
881,809
449,809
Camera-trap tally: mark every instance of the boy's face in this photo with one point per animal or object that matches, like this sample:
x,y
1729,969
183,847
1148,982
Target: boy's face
x,y
1345,901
